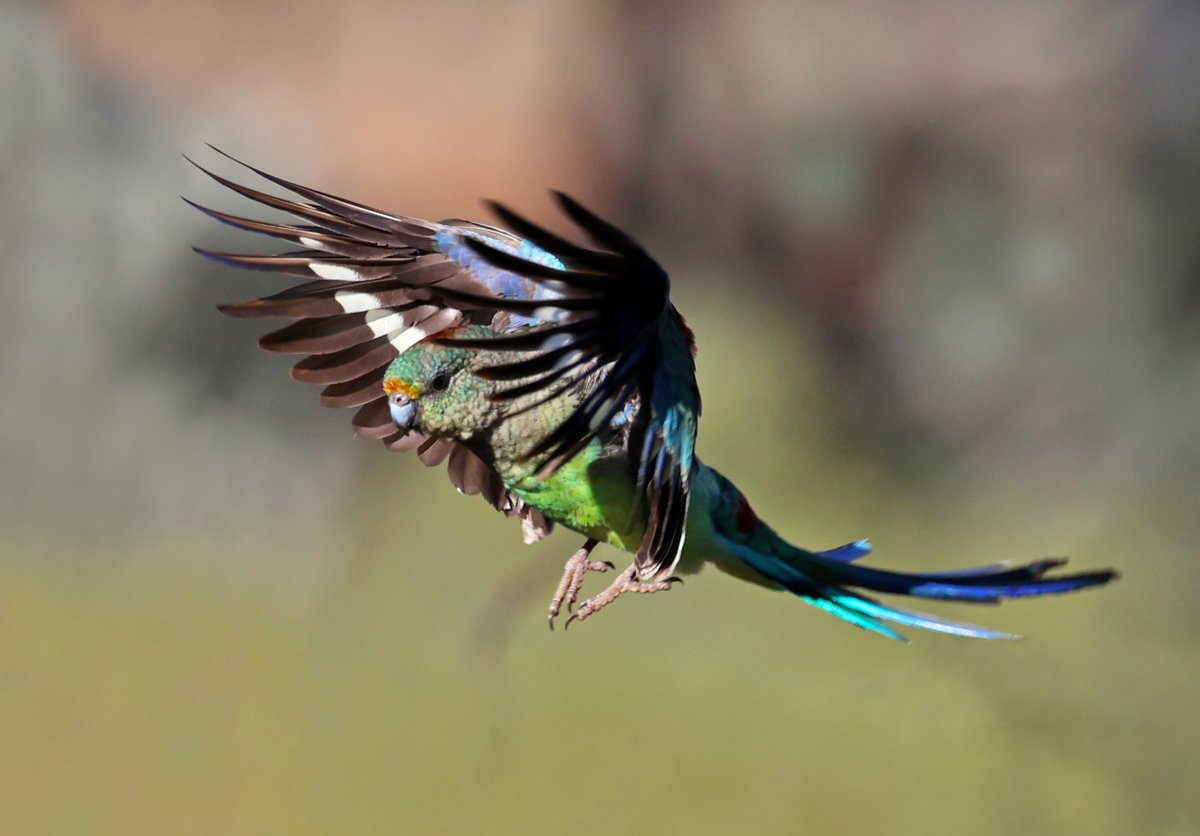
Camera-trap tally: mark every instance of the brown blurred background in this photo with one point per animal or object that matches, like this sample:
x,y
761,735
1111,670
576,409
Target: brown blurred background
x,y
943,264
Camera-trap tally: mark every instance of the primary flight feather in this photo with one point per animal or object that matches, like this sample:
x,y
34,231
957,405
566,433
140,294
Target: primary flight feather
x,y
558,382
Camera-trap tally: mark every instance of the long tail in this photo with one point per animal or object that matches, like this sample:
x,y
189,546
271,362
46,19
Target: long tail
x,y
823,579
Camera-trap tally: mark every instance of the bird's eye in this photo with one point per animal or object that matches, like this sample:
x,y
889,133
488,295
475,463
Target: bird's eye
x,y
440,381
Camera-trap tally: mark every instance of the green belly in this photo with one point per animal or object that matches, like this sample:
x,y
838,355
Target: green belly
x,y
591,494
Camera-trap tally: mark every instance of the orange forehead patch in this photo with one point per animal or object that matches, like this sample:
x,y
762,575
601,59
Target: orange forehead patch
x,y
393,385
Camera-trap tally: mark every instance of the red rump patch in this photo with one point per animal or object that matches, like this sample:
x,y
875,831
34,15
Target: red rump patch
x,y
687,332
746,518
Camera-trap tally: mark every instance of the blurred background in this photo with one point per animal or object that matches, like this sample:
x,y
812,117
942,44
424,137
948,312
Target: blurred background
x,y
943,265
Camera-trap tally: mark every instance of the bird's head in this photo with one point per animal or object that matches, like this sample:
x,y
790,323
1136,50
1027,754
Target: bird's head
x,y
431,388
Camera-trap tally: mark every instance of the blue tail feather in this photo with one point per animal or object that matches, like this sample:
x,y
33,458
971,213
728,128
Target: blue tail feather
x,y
833,581
847,553
979,584
825,579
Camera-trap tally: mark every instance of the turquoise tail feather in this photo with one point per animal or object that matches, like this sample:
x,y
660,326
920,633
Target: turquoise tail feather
x,y
823,582
832,580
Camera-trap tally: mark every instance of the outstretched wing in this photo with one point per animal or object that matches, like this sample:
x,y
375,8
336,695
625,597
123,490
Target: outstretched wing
x,y
364,300
610,326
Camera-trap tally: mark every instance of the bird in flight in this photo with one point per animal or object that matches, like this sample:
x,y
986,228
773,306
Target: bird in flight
x,y
557,381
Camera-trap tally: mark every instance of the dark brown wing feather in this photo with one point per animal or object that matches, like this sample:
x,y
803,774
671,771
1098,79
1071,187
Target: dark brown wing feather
x,y
616,335
363,301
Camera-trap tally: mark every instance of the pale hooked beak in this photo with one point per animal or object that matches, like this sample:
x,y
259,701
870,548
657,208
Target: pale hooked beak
x,y
403,409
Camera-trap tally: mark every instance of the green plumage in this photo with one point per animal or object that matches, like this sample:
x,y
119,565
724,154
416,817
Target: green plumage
x,y
566,393
592,493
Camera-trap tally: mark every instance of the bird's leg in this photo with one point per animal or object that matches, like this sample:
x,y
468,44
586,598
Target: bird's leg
x,y
576,569
626,582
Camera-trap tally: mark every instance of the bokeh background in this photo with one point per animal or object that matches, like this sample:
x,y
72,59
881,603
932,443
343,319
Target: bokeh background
x,y
943,264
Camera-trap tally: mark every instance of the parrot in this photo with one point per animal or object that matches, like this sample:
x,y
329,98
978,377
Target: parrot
x,y
557,381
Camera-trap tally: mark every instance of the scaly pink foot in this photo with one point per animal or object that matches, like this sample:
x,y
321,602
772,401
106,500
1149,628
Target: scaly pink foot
x,y
626,582
575,570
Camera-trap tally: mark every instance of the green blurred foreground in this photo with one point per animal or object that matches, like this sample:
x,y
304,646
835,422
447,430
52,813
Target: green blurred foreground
x,y
172,696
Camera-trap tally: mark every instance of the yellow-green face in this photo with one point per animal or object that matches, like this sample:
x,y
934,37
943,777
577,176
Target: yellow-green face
x,y
430,388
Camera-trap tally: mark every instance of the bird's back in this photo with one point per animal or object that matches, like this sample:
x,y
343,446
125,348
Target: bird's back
x,y
593,492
